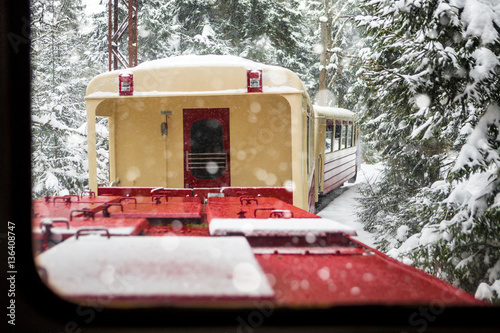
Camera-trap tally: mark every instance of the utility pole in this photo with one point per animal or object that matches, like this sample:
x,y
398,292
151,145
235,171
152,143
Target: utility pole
x,y
122,21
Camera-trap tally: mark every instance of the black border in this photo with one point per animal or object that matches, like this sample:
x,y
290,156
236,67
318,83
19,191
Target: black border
x,y
39,310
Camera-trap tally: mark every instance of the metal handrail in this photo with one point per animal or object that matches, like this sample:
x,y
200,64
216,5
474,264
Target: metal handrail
x,y
198,160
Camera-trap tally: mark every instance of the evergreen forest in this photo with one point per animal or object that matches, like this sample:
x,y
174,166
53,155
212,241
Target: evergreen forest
x,y
423,77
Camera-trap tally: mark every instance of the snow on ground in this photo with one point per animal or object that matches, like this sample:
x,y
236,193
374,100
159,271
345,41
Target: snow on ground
x,y
344,207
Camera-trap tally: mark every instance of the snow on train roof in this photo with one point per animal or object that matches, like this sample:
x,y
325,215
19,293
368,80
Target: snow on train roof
x,y
331,112
202,60
195,74
278,227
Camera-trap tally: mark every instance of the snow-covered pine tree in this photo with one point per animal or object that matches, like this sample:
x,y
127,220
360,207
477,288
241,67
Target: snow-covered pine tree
x,y
178,27
59,136
262,30
93,32
434,73
469,236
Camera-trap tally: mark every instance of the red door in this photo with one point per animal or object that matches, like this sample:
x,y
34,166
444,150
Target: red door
x,y
206,148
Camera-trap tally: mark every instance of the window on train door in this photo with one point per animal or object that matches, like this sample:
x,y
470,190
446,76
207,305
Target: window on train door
x,y
207,154
206,148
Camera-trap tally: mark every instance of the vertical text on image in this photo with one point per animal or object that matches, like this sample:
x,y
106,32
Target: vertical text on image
x,y
11,273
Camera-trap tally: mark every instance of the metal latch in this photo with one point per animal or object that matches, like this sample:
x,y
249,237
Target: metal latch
x,y
164,125
164,128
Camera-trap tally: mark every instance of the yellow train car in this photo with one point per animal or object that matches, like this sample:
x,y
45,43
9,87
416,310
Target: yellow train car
x,y
213,122
336,148
205,122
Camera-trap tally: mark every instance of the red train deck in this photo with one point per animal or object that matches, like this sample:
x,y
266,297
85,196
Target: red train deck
x,y
152,210
66,205
115,226
273,252
252,207
340,277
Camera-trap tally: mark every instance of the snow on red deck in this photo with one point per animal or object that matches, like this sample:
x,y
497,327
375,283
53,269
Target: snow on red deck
x,y
156,269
